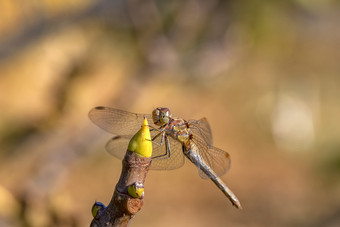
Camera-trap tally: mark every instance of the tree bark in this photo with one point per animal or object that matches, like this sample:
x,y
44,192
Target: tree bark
x,y
124,206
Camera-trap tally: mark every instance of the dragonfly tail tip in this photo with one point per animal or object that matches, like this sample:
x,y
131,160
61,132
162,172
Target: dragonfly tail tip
x,y
238,205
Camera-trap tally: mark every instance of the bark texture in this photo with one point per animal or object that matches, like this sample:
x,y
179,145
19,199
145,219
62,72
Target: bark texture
x,y
123,206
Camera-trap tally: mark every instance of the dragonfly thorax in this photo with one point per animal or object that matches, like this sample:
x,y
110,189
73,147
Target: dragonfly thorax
x,y
180,130
161,116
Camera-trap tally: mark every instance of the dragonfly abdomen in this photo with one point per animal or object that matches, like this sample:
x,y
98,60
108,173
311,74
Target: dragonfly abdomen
x,y
227,192
190,151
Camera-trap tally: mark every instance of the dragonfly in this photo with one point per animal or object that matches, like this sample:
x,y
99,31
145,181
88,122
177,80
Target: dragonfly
x,y
173,139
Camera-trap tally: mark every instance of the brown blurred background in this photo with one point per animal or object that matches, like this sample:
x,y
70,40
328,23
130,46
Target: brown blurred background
x,y
264,73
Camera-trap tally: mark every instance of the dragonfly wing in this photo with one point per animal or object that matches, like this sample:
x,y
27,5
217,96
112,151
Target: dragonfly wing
x,y
118,122
118,145
218,160
161,160
201,128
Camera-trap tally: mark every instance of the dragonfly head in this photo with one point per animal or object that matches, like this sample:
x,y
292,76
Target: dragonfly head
x,y
161,116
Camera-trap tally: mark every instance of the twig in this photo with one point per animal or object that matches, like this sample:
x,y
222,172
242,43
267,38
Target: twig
x,y
123,206
128,195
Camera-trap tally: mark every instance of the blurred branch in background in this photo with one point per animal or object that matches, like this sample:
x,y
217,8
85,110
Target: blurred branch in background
x,y
43,23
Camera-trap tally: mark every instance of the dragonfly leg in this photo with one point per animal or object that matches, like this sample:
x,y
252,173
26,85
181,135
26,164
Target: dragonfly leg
x,y
167,150
162,139
162,133
155,129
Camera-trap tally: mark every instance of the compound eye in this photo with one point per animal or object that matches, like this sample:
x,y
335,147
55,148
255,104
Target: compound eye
x,y
164,117
156,117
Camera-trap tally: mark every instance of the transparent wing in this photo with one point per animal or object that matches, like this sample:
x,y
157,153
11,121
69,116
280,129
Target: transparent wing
x,y
218,160
117,147
118,122
162,161
201,128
